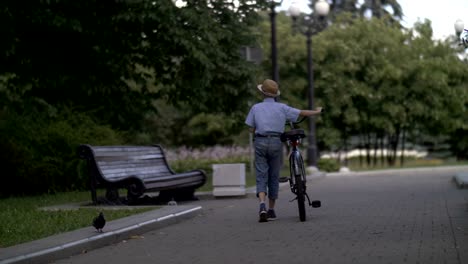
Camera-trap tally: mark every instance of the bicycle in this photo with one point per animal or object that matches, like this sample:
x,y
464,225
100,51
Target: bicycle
x,y
297,179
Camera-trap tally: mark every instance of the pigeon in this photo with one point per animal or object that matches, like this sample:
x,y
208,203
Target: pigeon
x,y
99,222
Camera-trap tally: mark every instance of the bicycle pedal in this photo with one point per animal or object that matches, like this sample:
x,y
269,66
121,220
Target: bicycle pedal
x,y
283,179
316,204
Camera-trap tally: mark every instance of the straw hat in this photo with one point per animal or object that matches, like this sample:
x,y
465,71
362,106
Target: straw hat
x,y
269,88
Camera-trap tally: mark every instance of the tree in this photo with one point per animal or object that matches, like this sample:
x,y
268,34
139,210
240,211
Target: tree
x,y
379,83
98,72
398,82
389,9
84,53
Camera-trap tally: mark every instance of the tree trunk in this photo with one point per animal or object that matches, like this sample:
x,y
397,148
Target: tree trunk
x,y
382,156
346,151
387,157
368,148
403,140
376,8
395,145
390,150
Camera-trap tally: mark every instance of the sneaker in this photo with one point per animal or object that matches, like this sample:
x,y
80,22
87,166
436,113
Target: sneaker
x,y
283,179
271,216
263,213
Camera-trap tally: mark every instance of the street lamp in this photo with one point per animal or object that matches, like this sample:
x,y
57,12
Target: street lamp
x,y
459,26
274,54
308,26
461,32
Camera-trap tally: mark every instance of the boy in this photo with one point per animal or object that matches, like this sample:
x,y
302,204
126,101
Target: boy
x,y
266,120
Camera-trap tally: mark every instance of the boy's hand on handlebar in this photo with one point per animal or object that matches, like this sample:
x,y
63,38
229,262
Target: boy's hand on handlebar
x,y
311,112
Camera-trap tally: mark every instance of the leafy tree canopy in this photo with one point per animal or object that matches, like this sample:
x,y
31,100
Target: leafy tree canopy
x,y
113,58
375,79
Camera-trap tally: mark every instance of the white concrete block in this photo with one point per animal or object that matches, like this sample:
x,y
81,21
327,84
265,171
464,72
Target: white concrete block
x,y
229,179
344,170
461,179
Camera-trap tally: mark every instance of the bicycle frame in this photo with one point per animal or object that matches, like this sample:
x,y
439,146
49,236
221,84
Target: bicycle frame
x,y
296,165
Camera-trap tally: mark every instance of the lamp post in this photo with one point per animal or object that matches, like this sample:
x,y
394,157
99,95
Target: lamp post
x,y
274,54
308,26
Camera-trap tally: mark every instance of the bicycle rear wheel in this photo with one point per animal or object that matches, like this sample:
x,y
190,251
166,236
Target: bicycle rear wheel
x,y
299,186
300,192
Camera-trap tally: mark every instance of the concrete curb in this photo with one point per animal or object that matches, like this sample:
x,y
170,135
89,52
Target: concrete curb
x,y
81,240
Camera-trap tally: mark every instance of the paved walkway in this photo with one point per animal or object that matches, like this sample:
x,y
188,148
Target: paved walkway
x,y
410,216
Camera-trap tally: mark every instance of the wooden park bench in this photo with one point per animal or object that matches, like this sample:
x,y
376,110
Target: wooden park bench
x,y
139,169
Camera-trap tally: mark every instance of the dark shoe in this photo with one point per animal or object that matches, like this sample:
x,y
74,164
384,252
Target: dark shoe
x,y
271,216
283,179
263,213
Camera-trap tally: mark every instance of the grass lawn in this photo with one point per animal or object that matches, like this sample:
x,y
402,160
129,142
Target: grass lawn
x,y
22,220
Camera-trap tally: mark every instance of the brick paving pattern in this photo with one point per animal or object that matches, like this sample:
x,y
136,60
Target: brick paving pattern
x,y
386,218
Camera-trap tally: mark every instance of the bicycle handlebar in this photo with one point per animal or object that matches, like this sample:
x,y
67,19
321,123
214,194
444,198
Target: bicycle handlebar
x,y
292,124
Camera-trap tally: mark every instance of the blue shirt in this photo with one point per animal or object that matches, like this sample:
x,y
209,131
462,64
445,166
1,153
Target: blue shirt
x,y
270,116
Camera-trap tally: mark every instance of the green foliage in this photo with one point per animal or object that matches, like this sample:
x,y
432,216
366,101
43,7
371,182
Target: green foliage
x,y
40,152
388,9
209,130
146,68
144,72
376,81
174,126
86,53
459,143
328,165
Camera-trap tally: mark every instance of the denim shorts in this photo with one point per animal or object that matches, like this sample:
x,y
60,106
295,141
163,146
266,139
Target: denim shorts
x,y
268,151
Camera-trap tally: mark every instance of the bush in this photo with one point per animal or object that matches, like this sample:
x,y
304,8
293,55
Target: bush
x,y
328,165
208,130
39,153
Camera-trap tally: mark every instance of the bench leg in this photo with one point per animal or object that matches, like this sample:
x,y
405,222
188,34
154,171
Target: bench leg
x,y
94,197
93,192
182,194
112,196
92,182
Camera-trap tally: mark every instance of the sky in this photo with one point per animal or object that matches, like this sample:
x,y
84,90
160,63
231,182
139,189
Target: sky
x,y
442,14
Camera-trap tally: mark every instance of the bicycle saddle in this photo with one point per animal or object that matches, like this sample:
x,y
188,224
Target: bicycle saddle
x,y
292,135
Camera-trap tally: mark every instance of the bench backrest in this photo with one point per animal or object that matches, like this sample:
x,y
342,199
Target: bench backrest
x,y
119,162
